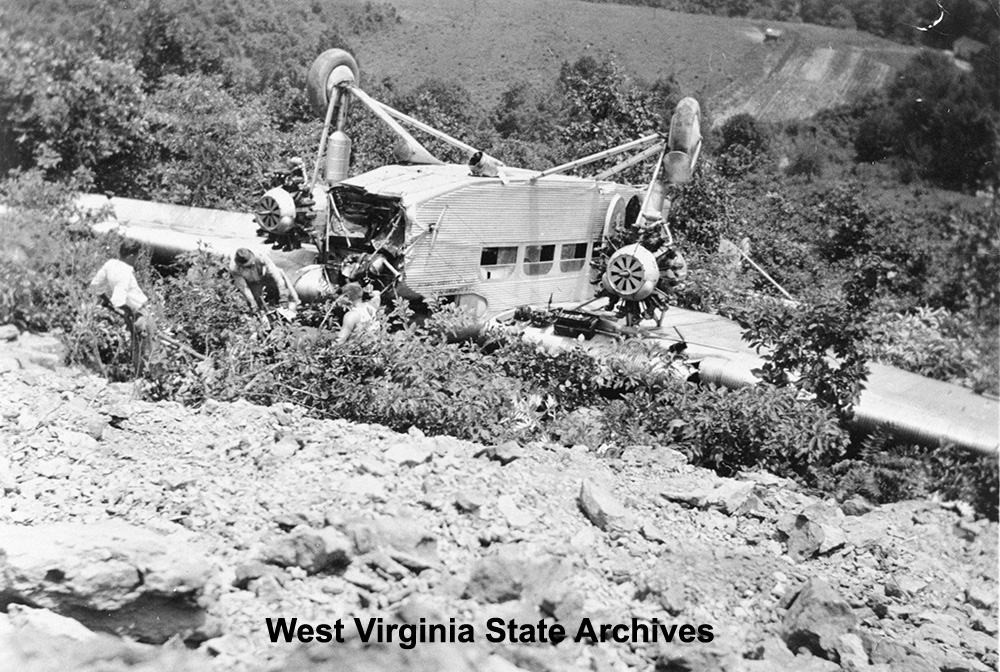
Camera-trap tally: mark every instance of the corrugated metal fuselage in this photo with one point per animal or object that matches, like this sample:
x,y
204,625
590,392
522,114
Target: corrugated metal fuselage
x,y
497,244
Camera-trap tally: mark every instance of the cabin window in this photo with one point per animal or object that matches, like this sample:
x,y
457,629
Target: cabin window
x,y
538,259
572,257
497,262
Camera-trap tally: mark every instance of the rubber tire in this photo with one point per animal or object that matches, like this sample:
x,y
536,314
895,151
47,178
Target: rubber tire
x,y
685,131
319,74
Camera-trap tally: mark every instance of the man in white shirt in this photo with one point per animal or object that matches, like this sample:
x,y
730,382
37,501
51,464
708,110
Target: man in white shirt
x,y
259,279
360,312
119,291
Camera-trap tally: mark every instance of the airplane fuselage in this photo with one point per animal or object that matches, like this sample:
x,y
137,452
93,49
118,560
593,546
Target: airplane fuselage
x,y
489,243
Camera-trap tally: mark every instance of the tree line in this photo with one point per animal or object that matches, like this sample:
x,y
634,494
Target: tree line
x,y
899,20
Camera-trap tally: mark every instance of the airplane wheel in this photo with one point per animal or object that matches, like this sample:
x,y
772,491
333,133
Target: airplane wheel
x,y
685,129
318,84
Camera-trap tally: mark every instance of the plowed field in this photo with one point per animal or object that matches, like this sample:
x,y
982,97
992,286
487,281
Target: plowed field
x,y
489,46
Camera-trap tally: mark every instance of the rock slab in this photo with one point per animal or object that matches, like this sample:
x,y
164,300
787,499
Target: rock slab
x,y
110,576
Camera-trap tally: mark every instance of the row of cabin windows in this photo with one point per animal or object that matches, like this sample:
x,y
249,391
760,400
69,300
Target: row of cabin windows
x,y
499,262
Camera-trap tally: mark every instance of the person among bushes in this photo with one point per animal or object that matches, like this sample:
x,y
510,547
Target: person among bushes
x,y
360,313
261,282
119,291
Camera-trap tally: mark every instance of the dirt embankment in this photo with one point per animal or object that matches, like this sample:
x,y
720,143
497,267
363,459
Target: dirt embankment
x,y
165,523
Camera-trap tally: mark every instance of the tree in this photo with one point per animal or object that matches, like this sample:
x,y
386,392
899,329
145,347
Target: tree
x,y
65,109
940,122
602,109
212,149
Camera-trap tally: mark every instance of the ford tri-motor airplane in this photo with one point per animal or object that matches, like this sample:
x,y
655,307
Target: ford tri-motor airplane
x,y
493,238
488,236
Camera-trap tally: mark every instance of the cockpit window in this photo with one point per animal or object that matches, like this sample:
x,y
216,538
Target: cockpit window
x,y
538,259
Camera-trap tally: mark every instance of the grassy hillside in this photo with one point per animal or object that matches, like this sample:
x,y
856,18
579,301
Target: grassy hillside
x,y
489,46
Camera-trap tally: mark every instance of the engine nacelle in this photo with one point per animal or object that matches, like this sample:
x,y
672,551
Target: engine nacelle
x,y
632,273
276,211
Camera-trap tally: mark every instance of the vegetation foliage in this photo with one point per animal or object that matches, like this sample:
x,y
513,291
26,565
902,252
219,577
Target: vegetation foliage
x,y
192,102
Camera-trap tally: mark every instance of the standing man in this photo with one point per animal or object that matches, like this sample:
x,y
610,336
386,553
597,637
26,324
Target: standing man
x,y
261,281
119,291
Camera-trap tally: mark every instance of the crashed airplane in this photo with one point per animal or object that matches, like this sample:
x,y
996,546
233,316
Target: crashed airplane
x,y
494,238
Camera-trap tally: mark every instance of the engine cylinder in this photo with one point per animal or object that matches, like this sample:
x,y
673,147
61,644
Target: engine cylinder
x,y
312,284
338,157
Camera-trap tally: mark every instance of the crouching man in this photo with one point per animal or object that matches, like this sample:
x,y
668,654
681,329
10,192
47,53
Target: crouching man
x,y
262,283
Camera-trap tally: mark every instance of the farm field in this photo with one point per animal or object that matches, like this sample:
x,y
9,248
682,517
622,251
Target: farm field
x,y
724,62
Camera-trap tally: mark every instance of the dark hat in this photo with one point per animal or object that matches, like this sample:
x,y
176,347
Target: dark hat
x,y
243,257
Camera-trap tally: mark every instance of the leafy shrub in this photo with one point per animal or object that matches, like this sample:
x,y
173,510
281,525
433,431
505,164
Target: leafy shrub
x,y
970,266
733,430
397,379
882,473
822,349
886,471
570,379
603,109
99,340
760,428
701,211
746,131
213,148
200,305
47,259
738,161
744,146
941,345
959,475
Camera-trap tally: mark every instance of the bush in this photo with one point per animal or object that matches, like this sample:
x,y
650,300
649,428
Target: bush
x,y
47,259
746,131
940,345
701,211
886,471
397,379
733,430
744,146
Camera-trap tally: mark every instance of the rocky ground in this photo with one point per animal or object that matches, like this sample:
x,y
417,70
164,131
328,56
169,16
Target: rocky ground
x,y
180,531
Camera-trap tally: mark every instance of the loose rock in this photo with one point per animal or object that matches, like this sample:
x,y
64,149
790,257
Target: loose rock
x,y
603,510
817,619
